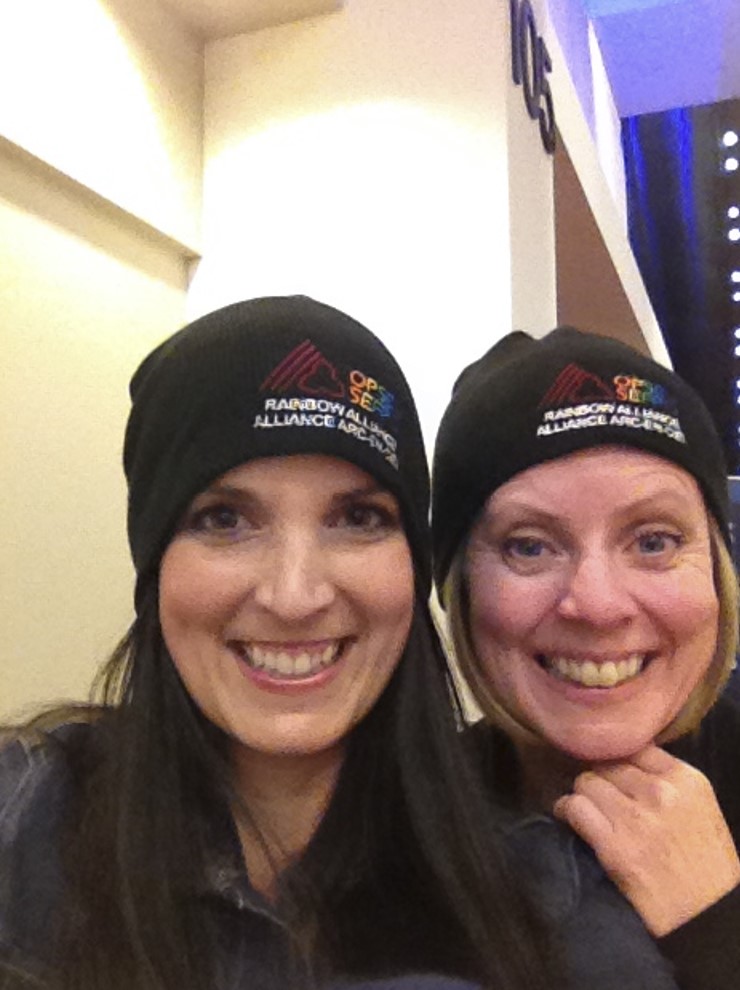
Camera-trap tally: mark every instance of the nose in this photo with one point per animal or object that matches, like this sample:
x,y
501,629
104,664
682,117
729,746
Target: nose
x,y
294,581
596,591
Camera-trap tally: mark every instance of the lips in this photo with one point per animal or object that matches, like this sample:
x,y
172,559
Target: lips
x,y
289,661
594,672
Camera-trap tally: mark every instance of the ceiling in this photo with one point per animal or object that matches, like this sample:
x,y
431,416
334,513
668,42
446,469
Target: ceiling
x,y
221,18
663,54
659,54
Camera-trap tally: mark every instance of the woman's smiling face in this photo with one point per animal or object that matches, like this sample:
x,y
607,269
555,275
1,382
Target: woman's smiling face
x,y
593,609
286,600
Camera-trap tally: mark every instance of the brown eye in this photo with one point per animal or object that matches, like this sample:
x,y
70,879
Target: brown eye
x,y
367,518
215,518
220,522
525,547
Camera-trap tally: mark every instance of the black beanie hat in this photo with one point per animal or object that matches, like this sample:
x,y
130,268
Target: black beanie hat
x,y
270,376
527,401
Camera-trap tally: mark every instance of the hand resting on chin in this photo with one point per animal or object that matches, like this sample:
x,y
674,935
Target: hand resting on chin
x,y
658,831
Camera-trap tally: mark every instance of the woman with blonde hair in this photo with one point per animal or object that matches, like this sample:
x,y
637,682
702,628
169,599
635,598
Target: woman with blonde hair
x,y
582,541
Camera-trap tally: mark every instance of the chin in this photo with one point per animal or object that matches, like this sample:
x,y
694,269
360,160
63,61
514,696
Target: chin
x,y
598,748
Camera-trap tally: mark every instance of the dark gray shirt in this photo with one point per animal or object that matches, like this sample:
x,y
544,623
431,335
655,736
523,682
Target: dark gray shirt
x,y
35,785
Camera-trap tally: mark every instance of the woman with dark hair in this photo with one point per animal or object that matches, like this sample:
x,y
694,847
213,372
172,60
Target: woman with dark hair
x,y
270,791
582,553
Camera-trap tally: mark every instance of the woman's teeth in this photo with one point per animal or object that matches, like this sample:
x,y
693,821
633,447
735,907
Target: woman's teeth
x,y
288,664
602,675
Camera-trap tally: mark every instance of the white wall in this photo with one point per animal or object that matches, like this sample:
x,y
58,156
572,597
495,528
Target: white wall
x,y
531,211
361,157
109,92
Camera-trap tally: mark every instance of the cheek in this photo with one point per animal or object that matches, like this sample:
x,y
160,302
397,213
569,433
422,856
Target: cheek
x,y
192,591
386,587
698,630
503,605
501,615
687,605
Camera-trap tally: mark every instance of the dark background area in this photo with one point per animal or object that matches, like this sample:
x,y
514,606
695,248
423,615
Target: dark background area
x,y
678,195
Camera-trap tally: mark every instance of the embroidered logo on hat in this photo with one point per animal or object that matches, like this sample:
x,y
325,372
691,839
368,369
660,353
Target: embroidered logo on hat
x,y
306,369
320,385
370,394
630,388
579,399
573,384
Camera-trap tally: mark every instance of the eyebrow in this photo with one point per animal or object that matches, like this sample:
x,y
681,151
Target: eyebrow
x,y
363,490
238,492
661,493
535,514
232,491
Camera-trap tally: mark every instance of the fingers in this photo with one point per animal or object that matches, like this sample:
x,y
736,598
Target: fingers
x,y
652,777
655,760
585,818
657,828
664,778
627,778
609,789
644,790
602,813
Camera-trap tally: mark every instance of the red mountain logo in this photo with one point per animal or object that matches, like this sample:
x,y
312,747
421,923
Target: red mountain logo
x,y
574,385
306,370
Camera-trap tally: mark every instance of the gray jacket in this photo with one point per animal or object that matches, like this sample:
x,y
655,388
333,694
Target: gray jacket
x,y
35,785
605,943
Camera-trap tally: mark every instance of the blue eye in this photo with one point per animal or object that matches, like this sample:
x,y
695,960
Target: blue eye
x,y
658,542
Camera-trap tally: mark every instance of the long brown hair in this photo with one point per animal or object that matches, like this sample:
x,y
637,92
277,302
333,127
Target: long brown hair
x,y
405,874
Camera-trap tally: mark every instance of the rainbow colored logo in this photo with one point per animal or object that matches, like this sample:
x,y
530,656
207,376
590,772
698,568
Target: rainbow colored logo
x,y
370,395
629,388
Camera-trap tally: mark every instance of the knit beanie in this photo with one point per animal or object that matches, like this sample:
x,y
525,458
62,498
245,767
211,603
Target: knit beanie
x,y
527,401
263,378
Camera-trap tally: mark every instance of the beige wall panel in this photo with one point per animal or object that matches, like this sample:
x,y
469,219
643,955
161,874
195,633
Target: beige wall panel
x,y
83,298
109,92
